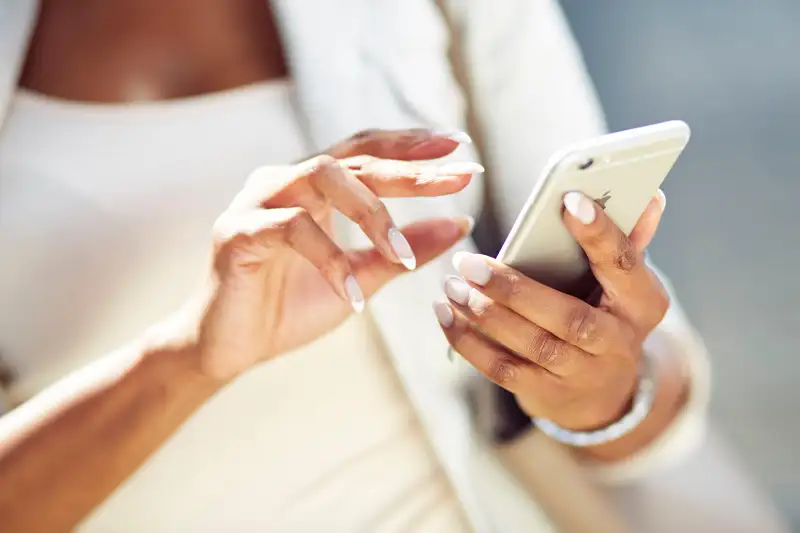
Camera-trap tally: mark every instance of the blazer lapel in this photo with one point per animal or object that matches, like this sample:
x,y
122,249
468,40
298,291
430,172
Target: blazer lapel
x,y
341,91
17,20
342,64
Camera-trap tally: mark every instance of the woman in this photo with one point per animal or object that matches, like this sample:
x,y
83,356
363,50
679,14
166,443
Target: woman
x,y
107,207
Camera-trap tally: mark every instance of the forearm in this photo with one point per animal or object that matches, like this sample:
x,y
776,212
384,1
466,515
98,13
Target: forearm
x,y
65,451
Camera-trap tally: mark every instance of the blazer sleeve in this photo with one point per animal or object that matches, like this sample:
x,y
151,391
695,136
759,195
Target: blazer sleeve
x,y
530,94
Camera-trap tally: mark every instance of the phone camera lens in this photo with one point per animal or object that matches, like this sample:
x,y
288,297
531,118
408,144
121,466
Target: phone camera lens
x,y
586,164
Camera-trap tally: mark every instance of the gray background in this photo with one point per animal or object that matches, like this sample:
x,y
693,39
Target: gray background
x,y
730,240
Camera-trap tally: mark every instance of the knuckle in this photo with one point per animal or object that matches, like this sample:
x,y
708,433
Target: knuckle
x,y
241,245
626,258
544,349
582,328
227,233
219,231
322,163
363,135
369,211
509,286
335,264
337,259
296,225
503,370
234,248
259,186
532,345
481,306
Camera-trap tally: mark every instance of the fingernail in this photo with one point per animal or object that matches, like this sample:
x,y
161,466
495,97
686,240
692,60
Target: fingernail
x,y
354,293
443,313
477,301
402,249
472,267
580,207
457,290
467,223
662,199
460,169
458,136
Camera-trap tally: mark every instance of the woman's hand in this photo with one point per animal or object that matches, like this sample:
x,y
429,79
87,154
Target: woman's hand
x,y
280,279
564,359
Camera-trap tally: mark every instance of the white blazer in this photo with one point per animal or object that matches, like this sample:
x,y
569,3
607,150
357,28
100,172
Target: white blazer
x,y
512,68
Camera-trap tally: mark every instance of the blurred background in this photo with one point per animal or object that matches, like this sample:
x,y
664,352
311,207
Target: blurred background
x,y
731,239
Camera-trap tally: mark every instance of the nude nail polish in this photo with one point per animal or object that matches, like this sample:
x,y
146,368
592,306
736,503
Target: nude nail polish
x,y
469,224
402,249
354,293
477,301
460,169
580,207
662,199
443,313
473,268
458,136
457,290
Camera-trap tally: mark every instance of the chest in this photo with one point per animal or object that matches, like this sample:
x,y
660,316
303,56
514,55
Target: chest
x,y
109,209
151,50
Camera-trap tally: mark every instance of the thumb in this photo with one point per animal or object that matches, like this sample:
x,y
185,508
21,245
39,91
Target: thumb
x,y
646,227
428,239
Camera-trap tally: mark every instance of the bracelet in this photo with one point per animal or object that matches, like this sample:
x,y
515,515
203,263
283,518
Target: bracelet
x,y
642,403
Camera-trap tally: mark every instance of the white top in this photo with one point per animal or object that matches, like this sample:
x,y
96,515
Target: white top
x,y
108,210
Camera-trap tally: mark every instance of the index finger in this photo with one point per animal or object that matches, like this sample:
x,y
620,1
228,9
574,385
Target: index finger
x,y
400,179
324,182
406,145
568,318
283,186
616,262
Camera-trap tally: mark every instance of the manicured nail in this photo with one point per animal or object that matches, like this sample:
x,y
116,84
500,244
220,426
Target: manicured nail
x,y
580,207
354,293
402,249
457,290
662,199
467,223
477,301
443,314
473,268
460,137
460,169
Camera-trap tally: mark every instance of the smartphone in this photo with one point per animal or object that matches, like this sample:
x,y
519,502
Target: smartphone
x,y
621,171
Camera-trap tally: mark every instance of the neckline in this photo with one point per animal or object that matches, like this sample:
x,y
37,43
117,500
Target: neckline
x,y
258,89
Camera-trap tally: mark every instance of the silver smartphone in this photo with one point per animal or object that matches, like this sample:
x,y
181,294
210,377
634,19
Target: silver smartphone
x,y
622,171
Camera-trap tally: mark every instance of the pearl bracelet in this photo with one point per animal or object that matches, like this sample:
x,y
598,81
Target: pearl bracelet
x,y
642,403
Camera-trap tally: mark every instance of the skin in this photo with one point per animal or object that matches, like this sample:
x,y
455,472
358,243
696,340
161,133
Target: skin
x,y
566,360
65,451
98,51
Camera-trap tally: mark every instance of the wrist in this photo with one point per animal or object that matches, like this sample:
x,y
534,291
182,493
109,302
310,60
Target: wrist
x,y
175,371
672,385
174,344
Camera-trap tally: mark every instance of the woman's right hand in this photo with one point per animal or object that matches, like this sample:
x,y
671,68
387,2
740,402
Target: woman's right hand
x,y
280,281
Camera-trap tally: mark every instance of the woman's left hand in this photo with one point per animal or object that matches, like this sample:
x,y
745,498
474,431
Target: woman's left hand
x,y
565,360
